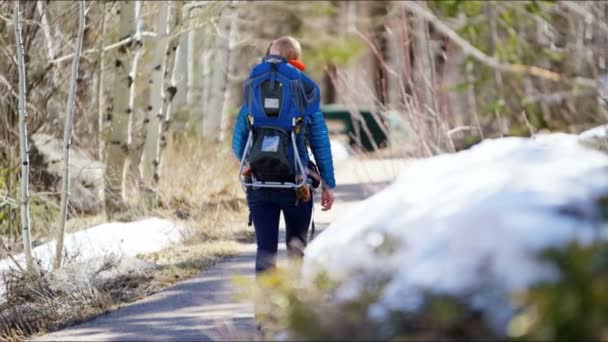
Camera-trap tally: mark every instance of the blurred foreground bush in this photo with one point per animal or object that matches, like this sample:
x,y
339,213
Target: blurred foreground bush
x,y
574,308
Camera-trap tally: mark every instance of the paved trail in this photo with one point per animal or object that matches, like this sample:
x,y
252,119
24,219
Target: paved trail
x,y
204,307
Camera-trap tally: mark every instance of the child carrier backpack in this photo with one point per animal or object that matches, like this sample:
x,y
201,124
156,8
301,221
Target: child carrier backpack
x,y
275,97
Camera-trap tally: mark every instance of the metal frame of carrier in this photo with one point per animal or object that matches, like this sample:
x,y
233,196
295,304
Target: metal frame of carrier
x,y
276,185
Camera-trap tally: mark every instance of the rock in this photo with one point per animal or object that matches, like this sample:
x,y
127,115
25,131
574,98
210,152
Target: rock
x,y
86,174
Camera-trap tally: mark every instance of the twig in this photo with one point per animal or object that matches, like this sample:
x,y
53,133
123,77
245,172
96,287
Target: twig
x,y
6,199
8,252
530,128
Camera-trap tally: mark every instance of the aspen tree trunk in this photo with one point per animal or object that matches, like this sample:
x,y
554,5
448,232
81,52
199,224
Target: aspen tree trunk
x,y
120,119
378,12
169,89
98,124
230,67
424,69
131,169
154,117
23,143
190,69
396,59
48,35
213,116
67,138
161,95
181,75
207,55
180,81
422,75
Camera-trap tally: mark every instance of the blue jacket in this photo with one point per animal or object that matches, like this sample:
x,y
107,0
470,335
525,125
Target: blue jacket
x,y
318,138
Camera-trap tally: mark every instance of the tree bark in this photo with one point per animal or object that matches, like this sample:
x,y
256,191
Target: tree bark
x,y
169,89
181,80
161,94
424,69
213,116
190,69
67,138
154,117
230,67
98,124
181,75
379,39
120,120
23,143
207,55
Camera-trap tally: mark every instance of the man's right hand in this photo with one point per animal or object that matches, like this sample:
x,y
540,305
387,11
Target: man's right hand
x,y
327,199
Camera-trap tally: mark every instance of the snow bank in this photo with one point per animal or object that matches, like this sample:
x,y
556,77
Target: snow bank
x,y
468,224
116,238
596,132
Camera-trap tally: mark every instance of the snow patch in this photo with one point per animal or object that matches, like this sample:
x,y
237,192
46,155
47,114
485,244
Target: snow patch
x,y
469,224
596,132
115,238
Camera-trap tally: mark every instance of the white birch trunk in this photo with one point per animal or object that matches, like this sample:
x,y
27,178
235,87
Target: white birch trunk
x,y
213,116
118,134
154,117
67,138
23,143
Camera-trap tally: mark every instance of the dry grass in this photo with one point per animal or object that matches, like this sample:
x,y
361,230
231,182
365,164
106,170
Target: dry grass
x,y
35,303
199,187
196,173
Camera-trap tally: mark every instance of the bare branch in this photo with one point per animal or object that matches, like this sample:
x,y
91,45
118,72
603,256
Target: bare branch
x,y
107,48
469,49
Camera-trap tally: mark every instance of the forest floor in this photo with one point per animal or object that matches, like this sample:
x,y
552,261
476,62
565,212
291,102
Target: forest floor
x,y
210,305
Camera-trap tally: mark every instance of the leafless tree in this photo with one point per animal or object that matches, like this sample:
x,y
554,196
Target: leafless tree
x,y
67,137
23,142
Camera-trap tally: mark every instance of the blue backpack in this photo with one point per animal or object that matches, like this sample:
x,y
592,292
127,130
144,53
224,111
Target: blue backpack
x,y
277,101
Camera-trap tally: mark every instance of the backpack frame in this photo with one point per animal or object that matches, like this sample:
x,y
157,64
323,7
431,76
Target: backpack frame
x,y
284,128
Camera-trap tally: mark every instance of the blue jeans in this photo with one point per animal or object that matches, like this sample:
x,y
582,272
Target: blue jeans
x,y
265,206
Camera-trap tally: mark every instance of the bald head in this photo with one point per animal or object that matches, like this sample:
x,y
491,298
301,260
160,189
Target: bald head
x,y
287,47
